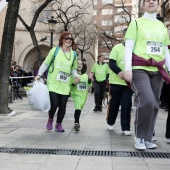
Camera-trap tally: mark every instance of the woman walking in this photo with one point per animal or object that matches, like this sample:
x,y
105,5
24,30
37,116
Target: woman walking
x,y
146,52
60,62
101,74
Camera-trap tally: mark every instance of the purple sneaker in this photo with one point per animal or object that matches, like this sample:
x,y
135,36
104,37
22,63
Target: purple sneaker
x,y
59,127
49,125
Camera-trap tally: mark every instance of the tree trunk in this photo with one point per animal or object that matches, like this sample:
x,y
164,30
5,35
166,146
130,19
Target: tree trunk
x,y
37,49
6,52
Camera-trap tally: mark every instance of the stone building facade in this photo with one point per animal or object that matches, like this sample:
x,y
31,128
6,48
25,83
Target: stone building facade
x,y
23,50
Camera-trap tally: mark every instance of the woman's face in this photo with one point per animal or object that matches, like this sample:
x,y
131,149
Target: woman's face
x,y
150,6
67,41
79,65
102,58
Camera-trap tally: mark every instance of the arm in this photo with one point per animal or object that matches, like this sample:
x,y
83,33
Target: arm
x,y
113,66
167,58
129,45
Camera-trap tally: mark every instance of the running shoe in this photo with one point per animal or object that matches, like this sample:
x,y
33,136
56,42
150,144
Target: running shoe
x,y
49,125
59,128
127,133
110,127
140,144
150,145
77,127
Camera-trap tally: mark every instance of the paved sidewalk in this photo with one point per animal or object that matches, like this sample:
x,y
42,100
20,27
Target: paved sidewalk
x,y
26,129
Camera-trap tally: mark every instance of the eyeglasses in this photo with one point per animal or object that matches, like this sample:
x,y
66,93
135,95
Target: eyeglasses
x,y
71,39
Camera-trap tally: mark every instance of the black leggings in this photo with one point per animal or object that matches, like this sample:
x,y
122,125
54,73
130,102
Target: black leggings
x,y
77,116
58,100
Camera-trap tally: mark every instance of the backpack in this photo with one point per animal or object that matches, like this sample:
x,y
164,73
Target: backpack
x,y
54,56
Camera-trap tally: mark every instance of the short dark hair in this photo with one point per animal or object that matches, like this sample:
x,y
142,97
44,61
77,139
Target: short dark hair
x,y
100,55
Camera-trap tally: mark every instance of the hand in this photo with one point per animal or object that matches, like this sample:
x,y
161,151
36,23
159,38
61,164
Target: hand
x,y
37,77
121,75
128,75
76,80
91,75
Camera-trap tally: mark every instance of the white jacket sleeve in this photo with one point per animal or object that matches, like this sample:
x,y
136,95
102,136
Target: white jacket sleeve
x,y
74,73
167,58
129,45
42,69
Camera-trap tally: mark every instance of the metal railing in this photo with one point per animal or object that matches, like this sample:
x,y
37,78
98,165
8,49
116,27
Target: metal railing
x,y
12,87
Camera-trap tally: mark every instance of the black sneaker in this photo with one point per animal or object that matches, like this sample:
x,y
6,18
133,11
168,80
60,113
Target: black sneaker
x,y
77,127
95,109
100,108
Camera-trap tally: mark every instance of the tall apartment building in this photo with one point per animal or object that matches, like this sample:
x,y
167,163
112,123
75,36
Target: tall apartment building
x,y
111,18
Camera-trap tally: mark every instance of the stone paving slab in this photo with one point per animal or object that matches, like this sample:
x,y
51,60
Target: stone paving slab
x,y
26,129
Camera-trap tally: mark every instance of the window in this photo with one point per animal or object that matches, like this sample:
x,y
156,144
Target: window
x,y
94,2
107,1
119,29
122,19
106,22
107,11
109,33
119,10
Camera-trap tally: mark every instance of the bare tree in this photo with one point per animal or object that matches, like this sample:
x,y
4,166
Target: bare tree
x,y
66,14
123,19
85,36
32,26
6,52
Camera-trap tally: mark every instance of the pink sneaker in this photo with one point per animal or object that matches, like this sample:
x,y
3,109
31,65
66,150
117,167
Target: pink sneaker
x,y
59,127
49,125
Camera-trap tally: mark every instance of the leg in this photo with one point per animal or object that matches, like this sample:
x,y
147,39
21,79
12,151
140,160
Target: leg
x,y
62,107
54,100
145,109
96,96
156,84
167,135
102,92
113,107
61,112
77,117
126,105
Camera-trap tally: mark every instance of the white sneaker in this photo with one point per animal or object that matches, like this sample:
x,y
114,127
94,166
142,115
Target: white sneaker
x,y
110,127
140,144
168,140
127,133
150,145
153,139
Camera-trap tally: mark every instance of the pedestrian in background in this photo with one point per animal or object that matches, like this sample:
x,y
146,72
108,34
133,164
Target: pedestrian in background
x,y
146,52
101,74
120,93
58,80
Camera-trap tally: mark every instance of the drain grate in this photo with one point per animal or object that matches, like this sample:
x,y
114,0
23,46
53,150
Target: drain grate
x,y
85,152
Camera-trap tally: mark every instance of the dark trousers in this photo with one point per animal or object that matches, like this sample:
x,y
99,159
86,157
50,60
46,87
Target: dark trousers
x,y
58,101
167,135
99,90
120,96
164,93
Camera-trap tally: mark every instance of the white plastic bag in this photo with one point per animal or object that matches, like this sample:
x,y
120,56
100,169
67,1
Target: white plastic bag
x,y
38,97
